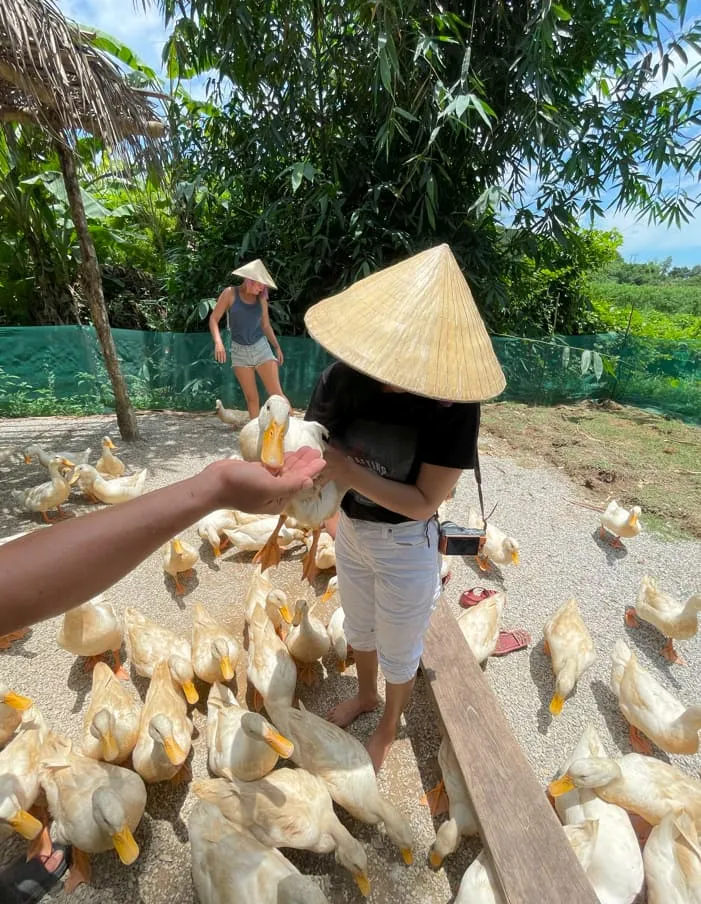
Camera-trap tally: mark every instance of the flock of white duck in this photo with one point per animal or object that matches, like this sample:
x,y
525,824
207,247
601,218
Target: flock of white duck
x,y
96,795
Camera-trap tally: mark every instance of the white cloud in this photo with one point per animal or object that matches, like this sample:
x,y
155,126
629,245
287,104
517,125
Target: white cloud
x,y
648,241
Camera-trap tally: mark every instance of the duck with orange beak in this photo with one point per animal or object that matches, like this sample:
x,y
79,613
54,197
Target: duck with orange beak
x,y
96,807
279,433
165,731
108,465
179,558
12,706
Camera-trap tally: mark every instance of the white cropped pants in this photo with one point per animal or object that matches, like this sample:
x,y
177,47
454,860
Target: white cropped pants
x,y
389,583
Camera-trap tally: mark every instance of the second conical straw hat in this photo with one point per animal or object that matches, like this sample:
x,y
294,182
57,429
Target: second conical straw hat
x,y
258,271
415,326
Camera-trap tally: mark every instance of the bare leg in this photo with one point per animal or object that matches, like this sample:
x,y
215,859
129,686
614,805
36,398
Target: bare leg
x,y
270,375
380,741
366,699
247,381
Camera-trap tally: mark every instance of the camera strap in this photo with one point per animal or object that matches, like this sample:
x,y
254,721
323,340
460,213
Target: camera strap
x,y
478,478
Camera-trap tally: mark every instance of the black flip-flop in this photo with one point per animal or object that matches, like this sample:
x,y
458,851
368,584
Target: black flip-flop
x,y
28,881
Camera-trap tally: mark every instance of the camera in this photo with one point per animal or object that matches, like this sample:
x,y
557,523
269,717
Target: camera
x,y
460,541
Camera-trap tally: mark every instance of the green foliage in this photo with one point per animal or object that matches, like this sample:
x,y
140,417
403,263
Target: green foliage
x,y
646,321
19,398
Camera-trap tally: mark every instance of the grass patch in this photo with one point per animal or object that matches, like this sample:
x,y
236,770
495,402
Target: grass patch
x,y
624,454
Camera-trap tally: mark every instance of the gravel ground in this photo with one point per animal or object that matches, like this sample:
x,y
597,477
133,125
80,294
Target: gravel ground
x,y
561,556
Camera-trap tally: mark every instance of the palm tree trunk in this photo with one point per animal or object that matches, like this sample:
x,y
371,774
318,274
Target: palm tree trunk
x,y
92,280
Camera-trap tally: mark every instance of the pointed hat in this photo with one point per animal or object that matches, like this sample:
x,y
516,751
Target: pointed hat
x,y
414,325
256,270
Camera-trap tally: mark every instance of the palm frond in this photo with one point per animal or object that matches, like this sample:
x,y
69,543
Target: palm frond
x,y
51,75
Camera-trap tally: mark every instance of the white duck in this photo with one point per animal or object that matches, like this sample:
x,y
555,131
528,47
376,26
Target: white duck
x,y
108,465
179,558
95,806
480,625
215,651
272,434
19,783
308,641
651,709
620,522
616,865
241,744
12,706
672,859
305,820
36,452
677,621
211,528
325,551
261,593
569,643
165,731
479,884
225,415
337,636
149,643
270,668
338,758
462,822
228,864
111,492
47,496
498,548
111,722
640,784
253,536
91,630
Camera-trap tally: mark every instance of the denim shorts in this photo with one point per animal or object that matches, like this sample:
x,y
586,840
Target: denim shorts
x,y
251,355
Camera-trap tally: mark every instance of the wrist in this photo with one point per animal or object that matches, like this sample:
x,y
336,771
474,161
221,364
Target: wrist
x,y
207,489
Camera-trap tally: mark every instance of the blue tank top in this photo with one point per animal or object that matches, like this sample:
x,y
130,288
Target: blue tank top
x,y
245,321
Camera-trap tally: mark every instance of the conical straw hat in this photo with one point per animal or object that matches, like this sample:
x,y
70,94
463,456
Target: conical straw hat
x,y
256,270
415,326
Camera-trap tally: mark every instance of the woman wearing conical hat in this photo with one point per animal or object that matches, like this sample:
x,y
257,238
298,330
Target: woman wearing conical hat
x,y
254,345
401,404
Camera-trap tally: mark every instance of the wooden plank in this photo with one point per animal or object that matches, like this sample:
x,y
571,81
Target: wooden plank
x,y
532,859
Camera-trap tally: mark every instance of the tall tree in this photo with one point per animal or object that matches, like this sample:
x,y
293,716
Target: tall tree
x,y
51,75
399,123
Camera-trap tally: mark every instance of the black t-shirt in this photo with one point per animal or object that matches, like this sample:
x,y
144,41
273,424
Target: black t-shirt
x,y
391,433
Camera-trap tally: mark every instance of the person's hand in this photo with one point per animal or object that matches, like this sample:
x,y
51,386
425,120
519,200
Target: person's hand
x,y
219,353
279,355
339,467
249,486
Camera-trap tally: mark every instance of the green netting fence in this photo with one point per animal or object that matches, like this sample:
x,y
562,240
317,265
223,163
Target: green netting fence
x,y
59,370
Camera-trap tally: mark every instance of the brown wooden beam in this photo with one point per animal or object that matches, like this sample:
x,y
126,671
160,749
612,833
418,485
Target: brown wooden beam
x,y
532,858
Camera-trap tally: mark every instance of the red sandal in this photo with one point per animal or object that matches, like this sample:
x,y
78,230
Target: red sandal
x,y
511,641
475,595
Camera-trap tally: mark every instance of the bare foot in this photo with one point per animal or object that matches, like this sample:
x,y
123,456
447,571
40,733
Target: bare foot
x,y
379,744
348,711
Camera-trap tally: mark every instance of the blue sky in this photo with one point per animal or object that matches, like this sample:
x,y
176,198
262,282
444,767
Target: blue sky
x,y
145,33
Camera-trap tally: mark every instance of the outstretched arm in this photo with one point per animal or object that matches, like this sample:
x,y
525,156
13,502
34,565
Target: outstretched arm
x,y
49,571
